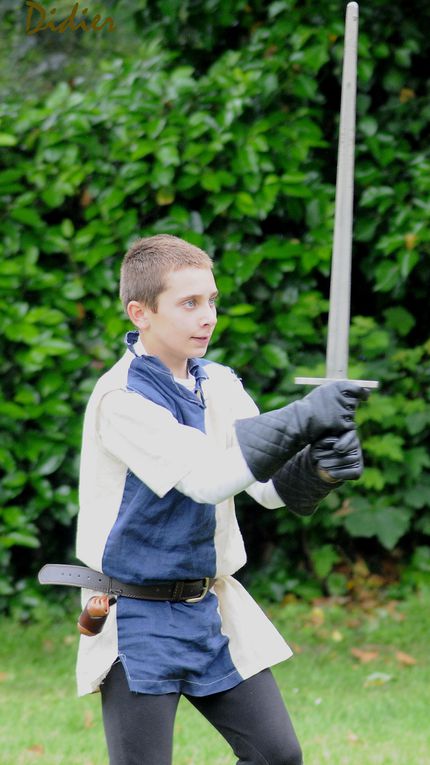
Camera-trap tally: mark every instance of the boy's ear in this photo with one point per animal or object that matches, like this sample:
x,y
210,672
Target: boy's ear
x,y
138,314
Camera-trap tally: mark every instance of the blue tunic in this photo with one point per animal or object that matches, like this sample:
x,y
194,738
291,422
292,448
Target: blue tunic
x,y
164,646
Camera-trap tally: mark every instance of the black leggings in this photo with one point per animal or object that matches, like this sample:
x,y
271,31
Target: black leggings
x,y
252,717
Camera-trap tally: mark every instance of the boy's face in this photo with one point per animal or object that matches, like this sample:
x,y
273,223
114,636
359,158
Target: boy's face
x,y
185,318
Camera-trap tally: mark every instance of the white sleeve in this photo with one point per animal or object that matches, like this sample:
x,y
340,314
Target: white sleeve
x,y
265,494
214,483
164,454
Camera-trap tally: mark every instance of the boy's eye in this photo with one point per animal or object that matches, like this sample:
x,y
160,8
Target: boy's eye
x,y
191,303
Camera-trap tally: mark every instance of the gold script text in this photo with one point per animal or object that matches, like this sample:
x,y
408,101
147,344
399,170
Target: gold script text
x,y
67,23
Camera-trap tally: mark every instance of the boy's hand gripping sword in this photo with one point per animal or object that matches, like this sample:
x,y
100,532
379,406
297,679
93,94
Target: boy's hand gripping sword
x,y
340,283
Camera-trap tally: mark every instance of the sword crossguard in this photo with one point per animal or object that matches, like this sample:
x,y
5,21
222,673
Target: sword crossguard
x,y
322,380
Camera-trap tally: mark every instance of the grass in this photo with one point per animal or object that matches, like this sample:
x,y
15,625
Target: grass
x,y
357,690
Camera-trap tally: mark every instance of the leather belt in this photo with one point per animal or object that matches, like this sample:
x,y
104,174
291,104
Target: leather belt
x,y
189,591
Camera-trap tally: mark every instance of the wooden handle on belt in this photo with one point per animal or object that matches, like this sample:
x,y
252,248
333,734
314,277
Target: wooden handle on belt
x,y
94,615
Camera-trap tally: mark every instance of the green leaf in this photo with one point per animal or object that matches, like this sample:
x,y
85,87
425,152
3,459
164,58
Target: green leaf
x,y
98,253
67,228
27,216
418,496
15,480
58,97
337,583
6,139
73,290
143,148
416,460
50,463
165,196
53,196
20,539
275,356
304,86
387,277
245,203
50,382
279,6
387,445
376,679
379,408
417,422
368,125
391,525
323,560
112,198
373,478
375,194
168,155
47,316
388,524
241,309
400,319
15,412
54,346
421,558
244,325
375,342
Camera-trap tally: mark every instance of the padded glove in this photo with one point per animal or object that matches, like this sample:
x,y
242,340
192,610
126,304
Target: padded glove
x,y
340,458
306,479
268,440
299,485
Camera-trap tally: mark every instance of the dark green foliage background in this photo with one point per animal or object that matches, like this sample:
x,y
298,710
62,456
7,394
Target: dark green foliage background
x,y
216,121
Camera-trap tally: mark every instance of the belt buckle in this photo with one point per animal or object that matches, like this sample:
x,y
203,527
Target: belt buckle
x,y
203,593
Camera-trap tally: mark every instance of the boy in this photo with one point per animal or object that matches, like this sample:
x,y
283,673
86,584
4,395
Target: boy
x,y
168,440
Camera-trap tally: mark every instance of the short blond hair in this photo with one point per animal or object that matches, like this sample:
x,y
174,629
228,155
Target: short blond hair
x,y
147,263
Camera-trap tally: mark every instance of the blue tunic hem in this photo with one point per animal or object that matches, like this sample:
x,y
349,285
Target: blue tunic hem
x,y
159,687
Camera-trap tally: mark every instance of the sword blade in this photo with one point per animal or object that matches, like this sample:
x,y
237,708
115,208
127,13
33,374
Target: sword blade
x,y
340,282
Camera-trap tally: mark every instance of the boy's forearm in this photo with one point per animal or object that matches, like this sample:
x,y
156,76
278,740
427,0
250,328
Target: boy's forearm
x,y
215,481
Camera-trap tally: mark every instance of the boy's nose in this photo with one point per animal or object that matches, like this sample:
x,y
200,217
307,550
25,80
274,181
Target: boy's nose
x,y
209,319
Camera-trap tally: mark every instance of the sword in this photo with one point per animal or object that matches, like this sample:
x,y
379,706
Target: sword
x,y
340,281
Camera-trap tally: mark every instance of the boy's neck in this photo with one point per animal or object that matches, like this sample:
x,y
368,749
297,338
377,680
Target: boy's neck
x,y
178,370
183,375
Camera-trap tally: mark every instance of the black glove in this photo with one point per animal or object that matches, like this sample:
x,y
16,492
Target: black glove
x,y
310,475
268,440
299,485
338,459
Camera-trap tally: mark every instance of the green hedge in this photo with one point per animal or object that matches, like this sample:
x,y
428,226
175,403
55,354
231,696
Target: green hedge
x,y
238,156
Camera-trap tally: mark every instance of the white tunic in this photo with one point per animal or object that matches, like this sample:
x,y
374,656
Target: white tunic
x,y
141,464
